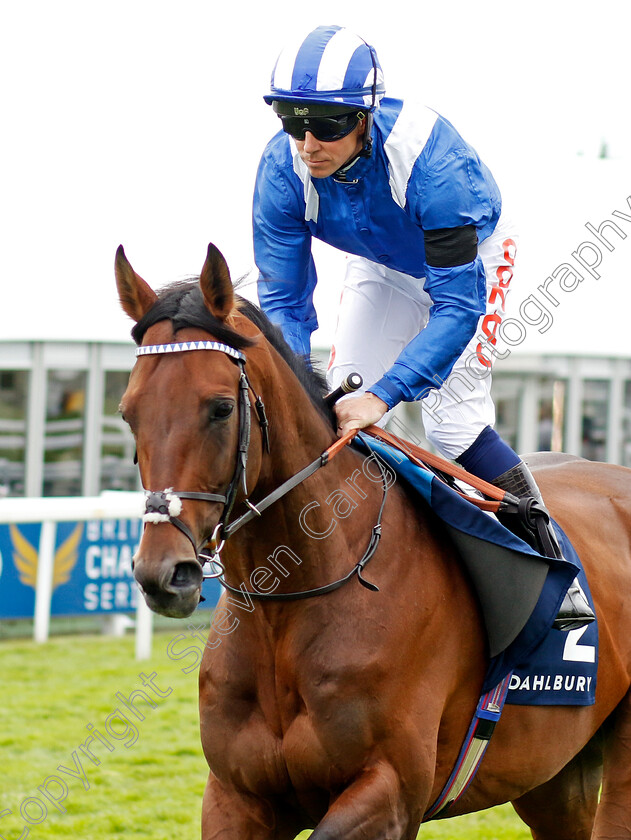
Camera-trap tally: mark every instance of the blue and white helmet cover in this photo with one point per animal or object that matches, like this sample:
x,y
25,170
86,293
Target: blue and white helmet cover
x,y
331,66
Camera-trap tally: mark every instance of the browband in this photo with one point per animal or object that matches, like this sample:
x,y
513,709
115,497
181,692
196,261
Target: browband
x,y
160,349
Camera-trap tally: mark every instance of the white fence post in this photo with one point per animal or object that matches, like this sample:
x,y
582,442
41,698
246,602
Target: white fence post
x,y
44,590
144,629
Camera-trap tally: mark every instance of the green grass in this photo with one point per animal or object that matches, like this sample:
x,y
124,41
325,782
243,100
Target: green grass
x,y
151,788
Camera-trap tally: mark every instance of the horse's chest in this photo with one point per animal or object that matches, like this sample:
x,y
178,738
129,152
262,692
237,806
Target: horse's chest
x,y
251,752
272,744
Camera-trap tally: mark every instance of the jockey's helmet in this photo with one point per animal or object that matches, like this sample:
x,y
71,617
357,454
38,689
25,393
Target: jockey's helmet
x,y
330,73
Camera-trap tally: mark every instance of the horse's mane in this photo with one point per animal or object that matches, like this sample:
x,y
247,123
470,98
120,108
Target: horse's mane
x,y
306,370
183,304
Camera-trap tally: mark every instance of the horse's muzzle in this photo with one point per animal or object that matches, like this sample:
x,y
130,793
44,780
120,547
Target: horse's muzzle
x,y
170,588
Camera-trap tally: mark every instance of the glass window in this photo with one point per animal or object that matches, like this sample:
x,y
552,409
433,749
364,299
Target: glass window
x,y
117,470
506,394
63,443
595,418
13,399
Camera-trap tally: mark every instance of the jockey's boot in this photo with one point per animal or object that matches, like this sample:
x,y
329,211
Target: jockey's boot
x,y
575,611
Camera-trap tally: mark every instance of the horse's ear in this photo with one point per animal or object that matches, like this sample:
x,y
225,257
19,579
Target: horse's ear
x,y
136,296
216,284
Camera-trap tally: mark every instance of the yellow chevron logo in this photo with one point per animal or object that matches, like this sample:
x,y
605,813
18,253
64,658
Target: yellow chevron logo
x,y
26,557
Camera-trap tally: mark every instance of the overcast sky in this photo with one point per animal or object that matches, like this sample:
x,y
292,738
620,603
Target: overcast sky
x,y
142,123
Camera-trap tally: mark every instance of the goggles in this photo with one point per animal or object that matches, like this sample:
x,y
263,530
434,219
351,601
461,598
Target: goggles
x,y
324,129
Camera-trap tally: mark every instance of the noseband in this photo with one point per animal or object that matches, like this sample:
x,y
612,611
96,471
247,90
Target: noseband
x,y
166,505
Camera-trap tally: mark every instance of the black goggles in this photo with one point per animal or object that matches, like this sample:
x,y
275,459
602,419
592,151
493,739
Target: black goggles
x,y
324,129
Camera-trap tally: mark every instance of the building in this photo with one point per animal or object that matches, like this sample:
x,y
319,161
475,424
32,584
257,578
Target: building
x,y
61,434
60,431
569,403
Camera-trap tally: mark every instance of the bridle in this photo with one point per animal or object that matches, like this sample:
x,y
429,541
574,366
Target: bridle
x,y
166,505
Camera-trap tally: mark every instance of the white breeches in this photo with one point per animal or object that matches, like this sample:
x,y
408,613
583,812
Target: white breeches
x,y
382,310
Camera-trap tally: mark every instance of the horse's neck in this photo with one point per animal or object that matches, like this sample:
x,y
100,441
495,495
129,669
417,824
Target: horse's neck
x,y
299,432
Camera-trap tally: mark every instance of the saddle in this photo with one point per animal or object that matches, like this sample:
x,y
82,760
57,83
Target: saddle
x,y
530,519
508,573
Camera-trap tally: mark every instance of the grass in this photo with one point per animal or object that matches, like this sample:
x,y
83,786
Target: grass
x,y
149,783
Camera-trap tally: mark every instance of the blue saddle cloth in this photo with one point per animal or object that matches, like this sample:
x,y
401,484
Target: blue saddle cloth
x,y
561,671
548,667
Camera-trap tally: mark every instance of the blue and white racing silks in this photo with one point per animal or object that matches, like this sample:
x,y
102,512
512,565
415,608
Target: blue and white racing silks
x,y
421,176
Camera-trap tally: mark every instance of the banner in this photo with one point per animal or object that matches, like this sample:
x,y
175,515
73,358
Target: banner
x,y
92,571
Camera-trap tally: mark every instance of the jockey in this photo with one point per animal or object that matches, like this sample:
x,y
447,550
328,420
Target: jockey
x,y
431,254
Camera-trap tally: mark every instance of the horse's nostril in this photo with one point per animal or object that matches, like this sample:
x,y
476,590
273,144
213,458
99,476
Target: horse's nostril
x,y
186,574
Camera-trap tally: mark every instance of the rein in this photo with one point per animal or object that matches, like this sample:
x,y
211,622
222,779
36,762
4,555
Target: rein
x,y
499,501
281,491
166,505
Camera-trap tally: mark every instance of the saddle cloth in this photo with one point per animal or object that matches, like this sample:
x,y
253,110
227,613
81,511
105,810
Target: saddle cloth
x,y
519,592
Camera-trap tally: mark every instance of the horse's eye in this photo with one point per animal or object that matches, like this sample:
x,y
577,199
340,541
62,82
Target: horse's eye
x,y
221,410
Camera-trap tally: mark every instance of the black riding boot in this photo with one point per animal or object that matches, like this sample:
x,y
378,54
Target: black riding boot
x,y
575,611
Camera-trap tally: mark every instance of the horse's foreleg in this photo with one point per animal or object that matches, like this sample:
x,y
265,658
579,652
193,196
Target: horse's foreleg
x,y
613,817
228,814
564,807
371,807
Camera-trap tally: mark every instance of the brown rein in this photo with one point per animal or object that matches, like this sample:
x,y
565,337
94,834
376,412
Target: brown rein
x,y
416,454
166,505
422,458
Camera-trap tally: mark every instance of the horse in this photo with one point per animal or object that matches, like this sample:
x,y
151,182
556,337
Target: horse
x,y
343,711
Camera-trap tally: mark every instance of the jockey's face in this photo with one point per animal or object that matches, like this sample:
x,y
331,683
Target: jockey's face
x,y
323,159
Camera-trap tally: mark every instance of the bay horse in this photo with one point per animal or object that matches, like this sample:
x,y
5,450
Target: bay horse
x,y
345,713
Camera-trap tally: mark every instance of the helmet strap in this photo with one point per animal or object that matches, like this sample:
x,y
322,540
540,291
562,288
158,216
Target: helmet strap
x,y
365,152
367,147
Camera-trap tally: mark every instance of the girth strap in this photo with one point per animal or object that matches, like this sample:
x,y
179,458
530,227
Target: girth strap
x,y
482,726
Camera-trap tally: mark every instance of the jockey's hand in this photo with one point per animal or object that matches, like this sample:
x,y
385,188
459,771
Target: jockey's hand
x,y
359,412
